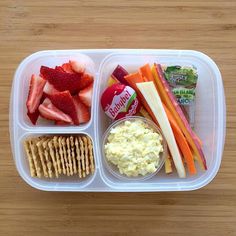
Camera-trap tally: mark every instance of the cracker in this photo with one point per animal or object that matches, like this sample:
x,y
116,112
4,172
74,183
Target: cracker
x,y
72,147
61,154
58,160
63,143
30,158
69,155
78,157
47,157
39,144
91,157
81,145
86,154
53,156
34,153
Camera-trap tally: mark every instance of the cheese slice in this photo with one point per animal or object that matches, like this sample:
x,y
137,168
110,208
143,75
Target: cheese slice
x,y
152,97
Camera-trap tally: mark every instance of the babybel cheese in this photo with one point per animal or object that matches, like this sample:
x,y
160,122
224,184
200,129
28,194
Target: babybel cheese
x,y
119,101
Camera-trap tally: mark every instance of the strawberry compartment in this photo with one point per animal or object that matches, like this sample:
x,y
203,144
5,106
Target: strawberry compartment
x,y
31,66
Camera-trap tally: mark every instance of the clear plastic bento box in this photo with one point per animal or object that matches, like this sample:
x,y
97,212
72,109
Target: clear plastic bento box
x,y
210,118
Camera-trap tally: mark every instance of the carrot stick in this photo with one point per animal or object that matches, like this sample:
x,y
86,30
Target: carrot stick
x,y
182,142
147,72
132,79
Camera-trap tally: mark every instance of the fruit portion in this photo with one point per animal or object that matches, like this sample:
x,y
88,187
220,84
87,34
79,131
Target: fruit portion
x,y
65,81
61,86
49,89
67,68
33,116
82,111
77,67
85,95
150,94
35,93
51,112
64,102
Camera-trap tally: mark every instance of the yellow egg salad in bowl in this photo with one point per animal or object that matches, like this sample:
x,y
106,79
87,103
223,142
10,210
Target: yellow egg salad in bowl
x,y
134,148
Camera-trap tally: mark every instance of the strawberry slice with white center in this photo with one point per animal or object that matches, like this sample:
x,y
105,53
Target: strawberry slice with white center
x,y
49,89
51,112
68,68
65,102
85,95
83,112
37,84
78,67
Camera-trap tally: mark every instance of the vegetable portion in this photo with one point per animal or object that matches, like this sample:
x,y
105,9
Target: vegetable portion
x,y
150,94
170,101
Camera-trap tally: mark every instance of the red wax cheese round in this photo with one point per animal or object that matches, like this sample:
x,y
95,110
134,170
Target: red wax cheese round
x,y
119,101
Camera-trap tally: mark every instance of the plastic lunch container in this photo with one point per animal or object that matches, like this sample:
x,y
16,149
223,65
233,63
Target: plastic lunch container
x,y
210,116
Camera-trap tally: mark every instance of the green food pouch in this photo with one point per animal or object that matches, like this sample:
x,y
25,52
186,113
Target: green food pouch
x,y
183,81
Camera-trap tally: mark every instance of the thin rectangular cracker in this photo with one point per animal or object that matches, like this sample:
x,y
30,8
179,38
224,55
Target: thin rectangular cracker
x,y
30,158
58,160
73,154
36,159
86,154
91,156
81,145
78,157
47,157
61,154
39,145
53,156
69,155
63,143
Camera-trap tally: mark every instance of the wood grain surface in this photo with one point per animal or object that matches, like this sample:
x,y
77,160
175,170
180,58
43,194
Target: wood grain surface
x,y
29,26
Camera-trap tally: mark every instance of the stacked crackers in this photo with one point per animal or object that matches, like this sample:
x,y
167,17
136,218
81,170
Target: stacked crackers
x,y
52,156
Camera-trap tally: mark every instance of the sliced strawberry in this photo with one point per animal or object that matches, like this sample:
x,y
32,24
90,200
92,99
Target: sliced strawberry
x,y
50,112
77,67
33,116
83,112
85,95
59,68
66,81
49,89
35,93
67,68
64,102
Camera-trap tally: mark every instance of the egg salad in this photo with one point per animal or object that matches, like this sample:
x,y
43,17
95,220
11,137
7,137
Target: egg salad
x,y
134,147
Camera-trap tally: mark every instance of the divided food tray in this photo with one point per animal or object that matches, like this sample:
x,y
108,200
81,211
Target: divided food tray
x,y
209,117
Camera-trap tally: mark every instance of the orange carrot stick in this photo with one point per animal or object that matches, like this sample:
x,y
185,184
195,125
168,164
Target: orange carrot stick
x,y
182,143
147,72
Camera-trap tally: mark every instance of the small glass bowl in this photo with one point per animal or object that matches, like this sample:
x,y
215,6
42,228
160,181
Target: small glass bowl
x,y
113,169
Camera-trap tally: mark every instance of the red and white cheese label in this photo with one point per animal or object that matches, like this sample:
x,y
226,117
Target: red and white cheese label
x,y
119,101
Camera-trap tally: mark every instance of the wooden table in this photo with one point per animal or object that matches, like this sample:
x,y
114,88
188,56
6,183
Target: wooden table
x,y
29,26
